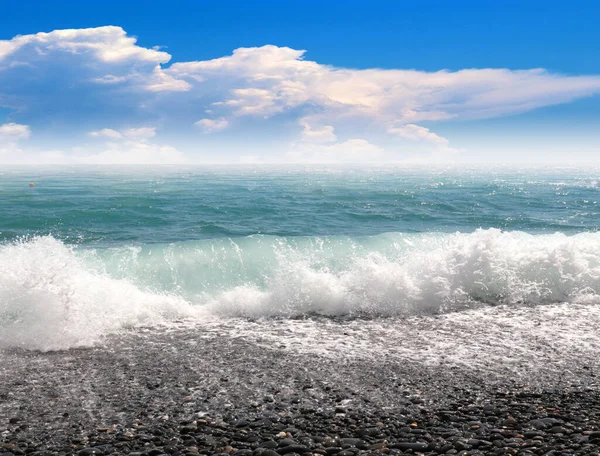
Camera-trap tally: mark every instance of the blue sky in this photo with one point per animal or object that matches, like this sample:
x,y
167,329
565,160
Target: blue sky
x,y
521,81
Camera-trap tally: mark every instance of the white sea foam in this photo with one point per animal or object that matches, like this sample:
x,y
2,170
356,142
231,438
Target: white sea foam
x,y
49,300
428,275
53,296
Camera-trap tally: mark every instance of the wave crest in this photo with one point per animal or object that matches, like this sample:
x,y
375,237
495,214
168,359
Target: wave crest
x,y
50,300
53,296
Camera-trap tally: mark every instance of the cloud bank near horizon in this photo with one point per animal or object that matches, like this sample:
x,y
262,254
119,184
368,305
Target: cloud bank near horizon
x,y
118,102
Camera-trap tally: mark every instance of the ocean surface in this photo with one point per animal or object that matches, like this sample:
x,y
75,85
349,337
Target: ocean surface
x,y
87,252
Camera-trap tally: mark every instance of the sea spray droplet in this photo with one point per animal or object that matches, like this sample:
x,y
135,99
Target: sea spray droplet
x,y
53,296
51,300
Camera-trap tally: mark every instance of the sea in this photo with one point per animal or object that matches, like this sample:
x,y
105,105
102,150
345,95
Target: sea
x,y
478,260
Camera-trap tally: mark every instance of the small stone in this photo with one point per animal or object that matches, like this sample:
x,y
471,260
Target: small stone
x,y
270,452
350,441
293,449
90,452
409,446
510,421
557,430
188,430
379,445
345,453
286,442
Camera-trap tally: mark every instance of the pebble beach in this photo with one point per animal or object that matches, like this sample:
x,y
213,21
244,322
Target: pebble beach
x,y
199,391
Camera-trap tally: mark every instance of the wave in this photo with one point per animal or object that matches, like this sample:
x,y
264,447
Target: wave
x,y
50,299
56,296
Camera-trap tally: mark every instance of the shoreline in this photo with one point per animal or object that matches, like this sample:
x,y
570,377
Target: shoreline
x,y
185,391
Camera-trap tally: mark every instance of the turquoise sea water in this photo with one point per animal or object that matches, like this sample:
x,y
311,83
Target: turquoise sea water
x,y
115,206
88,251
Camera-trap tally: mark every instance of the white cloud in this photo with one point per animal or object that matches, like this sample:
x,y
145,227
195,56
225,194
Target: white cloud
x,y
10,135
160,81
127,146
137,133
107,133
106,56
210,125
133,153
434,143
267,80
354,150
110,79
416,132
107,44
140,133
322,134
12,132
103,75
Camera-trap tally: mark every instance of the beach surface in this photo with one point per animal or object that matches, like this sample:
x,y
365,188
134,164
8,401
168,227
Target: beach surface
x,y
493,381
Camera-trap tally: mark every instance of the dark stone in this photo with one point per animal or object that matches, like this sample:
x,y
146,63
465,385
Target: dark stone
x,y
409,446
286,442
362,445
293,449
90,452
346,453
349,441
544,423
188,430
333,450
269,453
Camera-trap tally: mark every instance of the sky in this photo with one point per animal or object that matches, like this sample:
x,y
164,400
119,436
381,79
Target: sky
x,y
192,82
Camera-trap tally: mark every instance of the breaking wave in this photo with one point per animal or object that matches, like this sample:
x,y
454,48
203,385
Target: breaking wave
x,y
56,296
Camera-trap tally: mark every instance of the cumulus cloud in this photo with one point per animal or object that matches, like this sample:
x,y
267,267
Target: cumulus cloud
x,y
212,125
323,134
10,135
416,132
107,133
354,150
161,81
270,79
12,132
424,135
132,153
107,44
273,81
140,133
103,77
127,146
70,71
